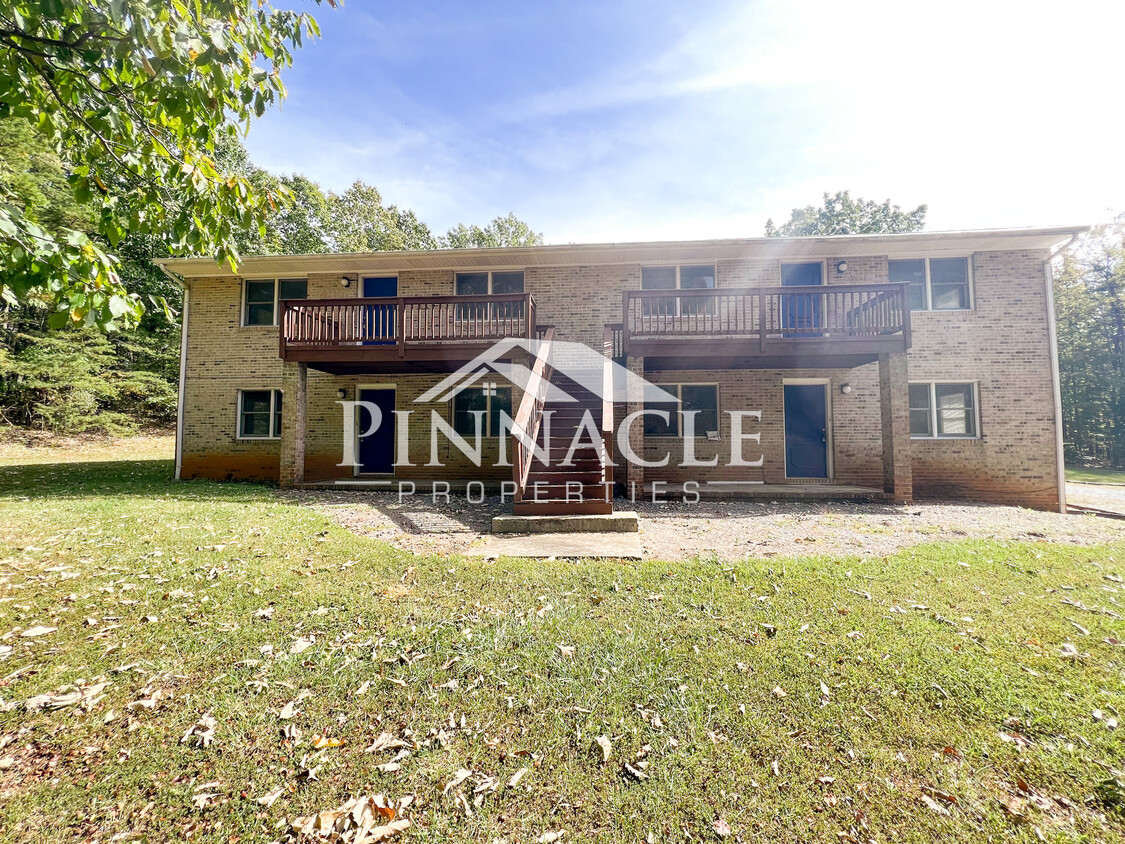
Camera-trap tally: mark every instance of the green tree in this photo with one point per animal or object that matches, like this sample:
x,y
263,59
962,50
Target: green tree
x,y
503,231
1090,312
840,214
134,96
361,223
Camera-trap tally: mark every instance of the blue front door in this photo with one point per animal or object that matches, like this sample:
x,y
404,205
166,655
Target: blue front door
x,y
806,431
801,311
377,450
379,321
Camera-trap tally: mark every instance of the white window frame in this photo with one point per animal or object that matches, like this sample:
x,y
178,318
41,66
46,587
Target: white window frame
x,y
276,290
490,273
699,435
934,435
925,259
712,264
274,395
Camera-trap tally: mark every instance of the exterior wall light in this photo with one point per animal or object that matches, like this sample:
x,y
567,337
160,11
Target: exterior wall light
x,y
342,393
345,282
845,388
842,267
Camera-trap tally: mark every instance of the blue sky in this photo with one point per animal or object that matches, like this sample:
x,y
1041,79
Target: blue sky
x,y
604,121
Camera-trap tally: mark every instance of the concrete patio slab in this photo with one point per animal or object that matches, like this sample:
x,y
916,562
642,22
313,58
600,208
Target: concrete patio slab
x,y
626,546
619,522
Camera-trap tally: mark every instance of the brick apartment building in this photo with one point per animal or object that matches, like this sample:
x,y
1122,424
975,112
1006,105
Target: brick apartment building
x,y
913,365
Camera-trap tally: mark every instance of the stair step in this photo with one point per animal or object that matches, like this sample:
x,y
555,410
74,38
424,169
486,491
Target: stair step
x,y
565,475
560,492
562,508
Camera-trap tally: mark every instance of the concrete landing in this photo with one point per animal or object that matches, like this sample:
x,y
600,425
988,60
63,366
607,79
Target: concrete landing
x,y
625,546
623,522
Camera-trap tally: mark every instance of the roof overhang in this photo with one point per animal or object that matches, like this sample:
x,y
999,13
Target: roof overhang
x,y
680,252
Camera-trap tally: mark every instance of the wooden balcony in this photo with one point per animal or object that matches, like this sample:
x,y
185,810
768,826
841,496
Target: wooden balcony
x,y
400,334
837,326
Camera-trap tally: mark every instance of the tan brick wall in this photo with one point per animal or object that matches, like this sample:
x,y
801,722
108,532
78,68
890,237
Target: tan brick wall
x,y
1001,344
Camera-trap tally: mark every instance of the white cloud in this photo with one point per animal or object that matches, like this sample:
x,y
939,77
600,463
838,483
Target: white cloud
x,y
994,113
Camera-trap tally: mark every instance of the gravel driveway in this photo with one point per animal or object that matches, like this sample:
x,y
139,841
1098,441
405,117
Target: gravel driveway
x,y
1108,497
728,529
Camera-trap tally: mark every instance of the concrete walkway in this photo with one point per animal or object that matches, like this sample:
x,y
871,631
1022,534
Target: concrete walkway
x,y
625,546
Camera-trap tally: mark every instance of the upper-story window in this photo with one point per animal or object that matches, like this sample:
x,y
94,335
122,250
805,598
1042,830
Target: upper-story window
x,y
696,277
700,277
489,283
260,298
935,284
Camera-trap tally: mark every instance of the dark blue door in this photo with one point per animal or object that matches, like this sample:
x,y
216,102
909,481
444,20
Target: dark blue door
x,y
803,311
377,450
806,431
379,322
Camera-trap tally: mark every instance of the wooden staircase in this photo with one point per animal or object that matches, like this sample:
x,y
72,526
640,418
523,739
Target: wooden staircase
x,y
551,418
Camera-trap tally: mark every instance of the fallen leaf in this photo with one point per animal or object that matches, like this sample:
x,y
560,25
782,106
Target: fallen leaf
x,y
566,650
300,645
722,828
31,632
607,747
549,837
934,805
778,691
271,796
202,732
517,776
458,778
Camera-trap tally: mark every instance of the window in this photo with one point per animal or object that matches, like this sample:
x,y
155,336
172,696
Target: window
x,y
703,398
935,284
485,284
491,400
262,296
943,410
259,414
699,277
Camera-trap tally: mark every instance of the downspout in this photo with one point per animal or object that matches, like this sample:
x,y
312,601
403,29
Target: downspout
x,y
183,368
1056,386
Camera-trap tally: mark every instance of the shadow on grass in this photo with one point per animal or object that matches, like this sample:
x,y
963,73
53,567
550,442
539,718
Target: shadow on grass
x,y
117,478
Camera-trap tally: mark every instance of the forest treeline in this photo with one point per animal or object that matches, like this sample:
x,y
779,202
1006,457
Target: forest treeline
x,y
1090,309
77,380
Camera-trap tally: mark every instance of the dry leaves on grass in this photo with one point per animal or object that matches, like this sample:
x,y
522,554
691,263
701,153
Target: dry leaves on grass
x,y
362,820
86,696
202,732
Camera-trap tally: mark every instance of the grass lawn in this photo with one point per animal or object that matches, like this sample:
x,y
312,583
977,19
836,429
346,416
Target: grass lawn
x,y
1095,476
918,697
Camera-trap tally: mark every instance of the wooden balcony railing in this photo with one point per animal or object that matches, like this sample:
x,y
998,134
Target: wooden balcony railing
x,y
772,316
403,321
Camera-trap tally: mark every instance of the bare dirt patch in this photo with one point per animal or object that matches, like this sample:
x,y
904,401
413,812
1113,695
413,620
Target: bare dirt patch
x,y
726,529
